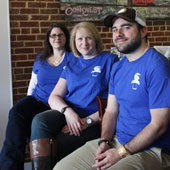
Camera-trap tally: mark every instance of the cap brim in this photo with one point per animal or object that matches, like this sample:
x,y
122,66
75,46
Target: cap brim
x,y
108,21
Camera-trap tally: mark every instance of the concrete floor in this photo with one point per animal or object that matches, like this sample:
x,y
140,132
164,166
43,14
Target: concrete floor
x,y
27,166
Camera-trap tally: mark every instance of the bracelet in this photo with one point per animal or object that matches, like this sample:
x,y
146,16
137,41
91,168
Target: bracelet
x,y
64,109
122,151
104,140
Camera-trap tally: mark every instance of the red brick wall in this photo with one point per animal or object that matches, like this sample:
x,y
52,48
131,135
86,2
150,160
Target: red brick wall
x,y
29,20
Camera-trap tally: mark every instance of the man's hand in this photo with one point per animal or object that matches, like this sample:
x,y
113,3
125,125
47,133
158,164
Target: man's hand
x,y
106,157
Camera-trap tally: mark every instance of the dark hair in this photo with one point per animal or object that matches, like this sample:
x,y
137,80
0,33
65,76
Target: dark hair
x,y
48,50
140,28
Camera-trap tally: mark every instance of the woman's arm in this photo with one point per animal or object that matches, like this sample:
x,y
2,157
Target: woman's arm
x,y
32,84
57,102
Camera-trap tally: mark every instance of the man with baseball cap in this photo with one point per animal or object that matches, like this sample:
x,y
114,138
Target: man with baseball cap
x,y
128,14
136,124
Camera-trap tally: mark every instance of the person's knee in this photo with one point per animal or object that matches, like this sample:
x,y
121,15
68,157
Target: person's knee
x,y
37,121
14,113
42,124
36,126
19,109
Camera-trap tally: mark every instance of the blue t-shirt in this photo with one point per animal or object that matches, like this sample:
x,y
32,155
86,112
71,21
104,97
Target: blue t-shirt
x,y
87,79
139,86
47,76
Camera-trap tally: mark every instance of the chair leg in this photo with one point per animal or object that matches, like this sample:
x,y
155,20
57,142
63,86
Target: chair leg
x,y
43,153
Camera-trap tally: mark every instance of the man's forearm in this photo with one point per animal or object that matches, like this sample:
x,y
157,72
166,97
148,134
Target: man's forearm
x,y
108,126
145,138
159,123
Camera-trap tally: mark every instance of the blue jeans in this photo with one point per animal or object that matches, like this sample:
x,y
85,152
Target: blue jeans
x,y
18,129
48,124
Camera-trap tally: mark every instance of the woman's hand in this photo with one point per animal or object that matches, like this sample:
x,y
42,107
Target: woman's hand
x,y
73,123
83,124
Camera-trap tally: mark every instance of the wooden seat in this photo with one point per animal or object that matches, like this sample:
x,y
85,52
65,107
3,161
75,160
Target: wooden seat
x,y
101,103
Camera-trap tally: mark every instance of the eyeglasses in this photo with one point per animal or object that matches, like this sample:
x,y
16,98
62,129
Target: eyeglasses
x,y
54,36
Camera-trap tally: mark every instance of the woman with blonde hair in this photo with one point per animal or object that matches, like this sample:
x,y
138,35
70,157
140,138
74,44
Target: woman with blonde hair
x,y
74,118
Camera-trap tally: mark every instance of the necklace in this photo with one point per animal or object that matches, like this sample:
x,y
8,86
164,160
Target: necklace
x,y
58,61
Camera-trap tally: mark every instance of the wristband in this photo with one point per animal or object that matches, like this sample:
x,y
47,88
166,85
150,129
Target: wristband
x,y
64,109
104,140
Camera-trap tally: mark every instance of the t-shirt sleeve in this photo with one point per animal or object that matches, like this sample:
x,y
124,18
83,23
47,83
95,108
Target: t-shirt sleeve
x,y
70,64
36,64
63,74
159,87
111,81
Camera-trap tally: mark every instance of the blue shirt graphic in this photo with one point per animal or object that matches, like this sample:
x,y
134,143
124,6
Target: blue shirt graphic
x,y
87,79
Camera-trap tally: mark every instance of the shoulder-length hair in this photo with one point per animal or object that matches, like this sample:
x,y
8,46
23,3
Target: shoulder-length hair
x,y
48,50
91,29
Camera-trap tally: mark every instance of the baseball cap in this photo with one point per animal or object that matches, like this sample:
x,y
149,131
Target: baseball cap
x,y
128,14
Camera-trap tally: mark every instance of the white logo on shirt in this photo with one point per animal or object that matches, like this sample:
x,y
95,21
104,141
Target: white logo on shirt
x,y
136,81
96,71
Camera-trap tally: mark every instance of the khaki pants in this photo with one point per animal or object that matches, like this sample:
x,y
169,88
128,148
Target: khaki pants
x,y
83,159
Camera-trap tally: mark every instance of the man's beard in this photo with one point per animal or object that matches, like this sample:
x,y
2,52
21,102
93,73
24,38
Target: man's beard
x,y
131,46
